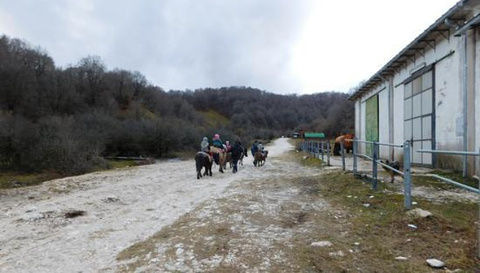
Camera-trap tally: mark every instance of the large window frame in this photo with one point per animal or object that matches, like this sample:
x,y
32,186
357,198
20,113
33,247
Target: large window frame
x,y
419,115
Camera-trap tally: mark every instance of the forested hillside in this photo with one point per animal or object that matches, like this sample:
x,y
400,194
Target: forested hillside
x,y
69,119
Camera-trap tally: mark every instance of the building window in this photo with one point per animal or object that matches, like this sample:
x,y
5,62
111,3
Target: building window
x,y
418,116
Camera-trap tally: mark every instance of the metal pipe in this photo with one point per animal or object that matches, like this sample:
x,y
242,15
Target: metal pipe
x,y
448,152
465,103
374,165
379,143
454,183
355,158
407,178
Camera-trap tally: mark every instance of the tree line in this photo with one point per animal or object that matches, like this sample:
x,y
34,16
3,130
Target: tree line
x,y
69,119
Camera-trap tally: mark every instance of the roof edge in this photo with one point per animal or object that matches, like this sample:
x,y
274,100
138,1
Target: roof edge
x,y
439,21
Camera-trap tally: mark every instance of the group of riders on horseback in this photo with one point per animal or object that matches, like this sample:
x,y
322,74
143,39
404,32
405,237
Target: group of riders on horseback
x,y
222,153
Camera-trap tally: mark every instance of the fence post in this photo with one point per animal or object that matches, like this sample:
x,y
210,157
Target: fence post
x,y
328,153
321,149
343,155
374,165
355,156
407,175
478,220
317,146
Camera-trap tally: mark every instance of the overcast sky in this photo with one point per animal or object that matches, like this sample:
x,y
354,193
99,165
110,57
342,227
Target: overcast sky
x,y
280,46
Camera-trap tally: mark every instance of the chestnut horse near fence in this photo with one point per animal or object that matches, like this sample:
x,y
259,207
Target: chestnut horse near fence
x,y
347,145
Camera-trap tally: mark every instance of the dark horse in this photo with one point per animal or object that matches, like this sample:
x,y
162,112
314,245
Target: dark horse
x,y
240,154
244,154
259,158
203,159
237,154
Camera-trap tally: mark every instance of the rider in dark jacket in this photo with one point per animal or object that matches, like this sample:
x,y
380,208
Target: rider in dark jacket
x,y
254,147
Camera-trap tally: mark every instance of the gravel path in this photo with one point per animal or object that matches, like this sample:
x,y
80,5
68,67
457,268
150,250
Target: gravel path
x,y
120,207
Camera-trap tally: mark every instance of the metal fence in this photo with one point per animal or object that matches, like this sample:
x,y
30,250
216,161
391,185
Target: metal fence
x,y
374,157
407,174
318,149
322,150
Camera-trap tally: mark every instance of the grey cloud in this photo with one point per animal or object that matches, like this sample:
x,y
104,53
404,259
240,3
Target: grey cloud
x,y
176,44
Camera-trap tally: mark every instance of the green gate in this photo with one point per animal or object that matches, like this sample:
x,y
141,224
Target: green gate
x,y
371,122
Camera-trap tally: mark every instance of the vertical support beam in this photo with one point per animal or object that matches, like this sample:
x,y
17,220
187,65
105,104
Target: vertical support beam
x,y
343,155
407,177
374,165
465,102
355,143
478,219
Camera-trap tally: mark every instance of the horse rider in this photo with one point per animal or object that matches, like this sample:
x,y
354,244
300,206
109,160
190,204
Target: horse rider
x,y
260,147
217,142
205,146
254,148
228,146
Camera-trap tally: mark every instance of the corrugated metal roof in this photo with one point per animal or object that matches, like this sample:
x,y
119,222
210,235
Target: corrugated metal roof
x,y
457,14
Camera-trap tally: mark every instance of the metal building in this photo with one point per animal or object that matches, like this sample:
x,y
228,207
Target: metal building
x,y
429,93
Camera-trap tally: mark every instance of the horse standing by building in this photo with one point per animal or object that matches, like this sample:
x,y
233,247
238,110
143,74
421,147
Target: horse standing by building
x,y
347,143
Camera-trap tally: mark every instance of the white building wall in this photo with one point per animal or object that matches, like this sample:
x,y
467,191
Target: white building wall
x,y
448,101
358,119
398,136
362,136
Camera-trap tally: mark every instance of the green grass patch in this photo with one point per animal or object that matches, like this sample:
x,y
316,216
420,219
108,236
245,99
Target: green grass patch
x,y
214,119
118,164
16,180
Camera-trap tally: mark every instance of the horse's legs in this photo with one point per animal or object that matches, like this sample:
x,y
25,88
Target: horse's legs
x,y
235,169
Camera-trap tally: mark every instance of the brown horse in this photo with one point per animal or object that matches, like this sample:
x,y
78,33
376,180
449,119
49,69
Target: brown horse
x,y
347,145
259,158
220,157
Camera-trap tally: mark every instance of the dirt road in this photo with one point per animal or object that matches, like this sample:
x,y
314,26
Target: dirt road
x,y
81,224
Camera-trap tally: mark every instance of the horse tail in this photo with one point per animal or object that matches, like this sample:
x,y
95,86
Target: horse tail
x,y
199,162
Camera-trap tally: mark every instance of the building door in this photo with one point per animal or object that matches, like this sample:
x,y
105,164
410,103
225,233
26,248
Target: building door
x,y
418,116
371,122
